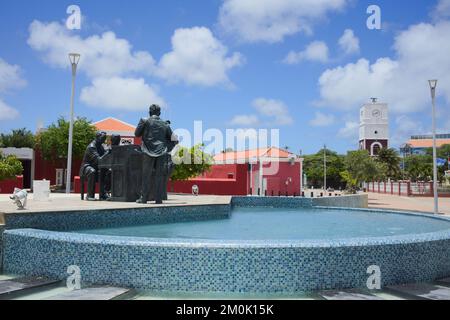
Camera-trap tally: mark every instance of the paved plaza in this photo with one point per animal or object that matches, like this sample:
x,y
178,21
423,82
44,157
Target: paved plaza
x,y
423,204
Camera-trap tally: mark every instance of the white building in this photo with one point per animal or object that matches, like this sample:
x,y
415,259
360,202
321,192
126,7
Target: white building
x,y
374,127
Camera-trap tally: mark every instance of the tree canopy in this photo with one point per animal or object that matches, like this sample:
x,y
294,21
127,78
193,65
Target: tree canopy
x,y
391,161
313,166
190,162
10,167
53,141
18,138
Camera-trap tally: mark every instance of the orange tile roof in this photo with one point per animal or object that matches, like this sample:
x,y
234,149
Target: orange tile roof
x,y
255,153
427,143
113,124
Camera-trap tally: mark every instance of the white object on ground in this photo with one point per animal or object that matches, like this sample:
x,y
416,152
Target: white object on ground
x,y
41,190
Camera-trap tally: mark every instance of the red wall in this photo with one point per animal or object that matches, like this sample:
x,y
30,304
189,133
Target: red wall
x,y
277,183
45,169
7,186
216,182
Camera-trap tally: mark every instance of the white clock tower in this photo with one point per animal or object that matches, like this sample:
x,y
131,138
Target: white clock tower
x,y
374,127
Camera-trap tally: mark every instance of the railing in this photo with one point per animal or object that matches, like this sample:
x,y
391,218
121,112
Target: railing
x,y
402,188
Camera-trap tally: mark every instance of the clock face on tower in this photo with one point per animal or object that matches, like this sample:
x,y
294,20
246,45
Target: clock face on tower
x,y
376,113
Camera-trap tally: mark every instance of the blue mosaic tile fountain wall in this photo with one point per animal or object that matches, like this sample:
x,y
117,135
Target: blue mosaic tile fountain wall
x,y
224,266
213,266
76,220
348,201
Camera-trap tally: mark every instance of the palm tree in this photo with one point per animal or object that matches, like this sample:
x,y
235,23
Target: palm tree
x,y
391,160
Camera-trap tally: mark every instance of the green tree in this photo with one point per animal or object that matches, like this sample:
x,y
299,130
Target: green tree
x,y
10,167
53,141
352,183
419,167
190,162
361,167
391,161
19,138
313,167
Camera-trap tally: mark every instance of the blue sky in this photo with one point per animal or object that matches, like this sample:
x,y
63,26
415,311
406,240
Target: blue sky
x,y
302,66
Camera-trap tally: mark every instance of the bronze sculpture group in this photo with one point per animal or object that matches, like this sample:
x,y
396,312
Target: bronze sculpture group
x,y
130,173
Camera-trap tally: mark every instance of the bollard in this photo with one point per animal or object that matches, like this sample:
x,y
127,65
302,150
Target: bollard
x,y
312,194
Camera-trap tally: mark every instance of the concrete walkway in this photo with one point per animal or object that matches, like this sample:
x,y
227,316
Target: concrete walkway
x,y
424,204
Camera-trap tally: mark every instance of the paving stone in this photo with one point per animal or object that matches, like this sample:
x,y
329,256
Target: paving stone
x,y
22,284
423,291
350,294
93,293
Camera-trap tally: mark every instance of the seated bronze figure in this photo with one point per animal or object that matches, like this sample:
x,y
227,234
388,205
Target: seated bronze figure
x,y
89,168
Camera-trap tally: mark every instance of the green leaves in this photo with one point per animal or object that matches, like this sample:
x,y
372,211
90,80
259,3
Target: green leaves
x,y
53,141
313,167
390,160
10,167
19,138
190,163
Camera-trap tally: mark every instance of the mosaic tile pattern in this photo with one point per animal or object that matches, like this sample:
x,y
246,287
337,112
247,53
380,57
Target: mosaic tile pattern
x,y
77,220
276,202
349,201
228,266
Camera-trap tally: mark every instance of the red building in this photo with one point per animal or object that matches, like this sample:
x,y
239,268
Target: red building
x,y
267,171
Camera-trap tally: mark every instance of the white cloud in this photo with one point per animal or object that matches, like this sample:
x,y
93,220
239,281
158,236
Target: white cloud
x,y
347,87
316,51
269,113
422,53
101,56
120,93
350,131
245,120
322,120
197,58
7,112
10,77
442,10
349,43
272,20
274,109
405,127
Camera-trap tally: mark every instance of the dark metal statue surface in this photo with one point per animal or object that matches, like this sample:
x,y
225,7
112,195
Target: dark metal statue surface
x,y
157,142
89,168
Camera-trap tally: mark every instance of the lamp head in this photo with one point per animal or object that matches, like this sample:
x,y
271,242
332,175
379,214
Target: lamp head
x,y
74,58
433,84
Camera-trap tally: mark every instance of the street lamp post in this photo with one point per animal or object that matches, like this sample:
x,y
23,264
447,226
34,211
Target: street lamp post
x,y
74,59
325,169
433,85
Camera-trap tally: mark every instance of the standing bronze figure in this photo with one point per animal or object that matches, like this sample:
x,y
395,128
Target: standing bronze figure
x,y
156,137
